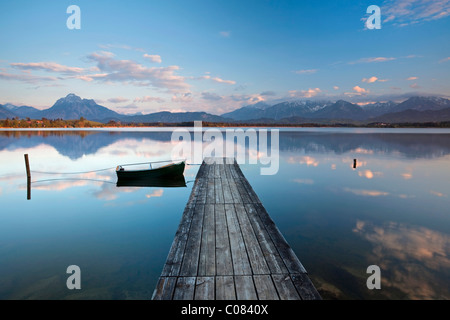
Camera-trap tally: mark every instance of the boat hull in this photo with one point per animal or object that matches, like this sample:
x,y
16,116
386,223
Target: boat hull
x,y
162,172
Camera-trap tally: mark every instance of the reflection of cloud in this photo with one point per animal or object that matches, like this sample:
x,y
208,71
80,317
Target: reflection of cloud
x,y
309,161
363,151
155,193
415,256
406,176
333,166
370,193
369,174
304,181
436,193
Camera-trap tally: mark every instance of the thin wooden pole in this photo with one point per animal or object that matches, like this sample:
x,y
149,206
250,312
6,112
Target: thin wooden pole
x,y
27,166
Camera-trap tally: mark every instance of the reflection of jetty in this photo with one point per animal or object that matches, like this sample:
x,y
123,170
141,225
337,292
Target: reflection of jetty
x,y
228,247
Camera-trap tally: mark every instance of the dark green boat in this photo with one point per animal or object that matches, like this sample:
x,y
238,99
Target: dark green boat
x,y
168,171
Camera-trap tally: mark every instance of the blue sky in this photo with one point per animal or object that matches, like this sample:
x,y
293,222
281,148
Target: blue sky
x,y
216,56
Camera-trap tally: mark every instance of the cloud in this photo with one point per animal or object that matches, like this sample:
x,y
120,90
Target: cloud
x,y
372,60
415,86
48,66
148,99
156,193
131,72
412,78
311,92
217,79
304,181
118,100
268,93
444,60
370,80
335,87
309,71
405,12
309,161
415,256
29,78
360,90
182,97
153,57
369,193
211,96
438,194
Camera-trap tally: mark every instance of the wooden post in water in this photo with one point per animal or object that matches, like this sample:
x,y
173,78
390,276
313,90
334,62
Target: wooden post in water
x,y
27,166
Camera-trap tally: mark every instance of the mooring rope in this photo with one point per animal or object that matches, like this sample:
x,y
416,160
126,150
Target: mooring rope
x,y
66,179
79,172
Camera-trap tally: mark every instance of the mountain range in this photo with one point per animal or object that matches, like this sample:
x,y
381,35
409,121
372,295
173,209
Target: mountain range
x,y
414,109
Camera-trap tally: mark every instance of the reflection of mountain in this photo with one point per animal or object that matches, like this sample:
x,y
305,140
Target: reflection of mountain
x,y
408,145
75,144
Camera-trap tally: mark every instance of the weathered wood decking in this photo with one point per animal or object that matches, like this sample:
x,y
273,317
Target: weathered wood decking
x,y
227,247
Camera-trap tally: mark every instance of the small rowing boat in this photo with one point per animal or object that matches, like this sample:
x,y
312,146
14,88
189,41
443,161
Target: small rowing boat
x,y
167,171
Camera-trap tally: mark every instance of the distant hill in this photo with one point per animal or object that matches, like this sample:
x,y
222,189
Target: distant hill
x,y
169,117
6,113
414,116
73,107
414,109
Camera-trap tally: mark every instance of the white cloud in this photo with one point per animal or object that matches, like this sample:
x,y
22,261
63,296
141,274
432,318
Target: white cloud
x,y
131,72
311,92
406,12
225,34
309,71
47,66
412,78
148,99
358,89
153,57
445,60
373,60
118,100
217,79
370,80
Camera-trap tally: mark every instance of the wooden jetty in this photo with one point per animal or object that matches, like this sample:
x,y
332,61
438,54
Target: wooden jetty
x,y
227,247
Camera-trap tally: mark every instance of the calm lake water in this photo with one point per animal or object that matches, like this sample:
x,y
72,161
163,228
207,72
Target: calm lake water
x,y
392,210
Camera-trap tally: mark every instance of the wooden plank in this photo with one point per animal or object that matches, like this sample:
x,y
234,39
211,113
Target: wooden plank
x,y
218,190
241,263
189,265
164,288
305,287
204,288
225,289
242,191
285,287
184,288
234,191
207,262
210,192
227,196
176,253
273,258
291,261
258,263
265,287
224,264
245,288
228,247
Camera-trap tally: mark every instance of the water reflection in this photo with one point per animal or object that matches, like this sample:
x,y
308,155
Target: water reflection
x,y
391,209
412,258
